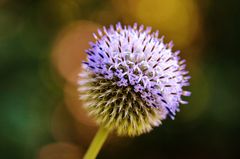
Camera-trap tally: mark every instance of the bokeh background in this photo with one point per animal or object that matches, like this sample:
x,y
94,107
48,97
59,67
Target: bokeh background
x,y
42,44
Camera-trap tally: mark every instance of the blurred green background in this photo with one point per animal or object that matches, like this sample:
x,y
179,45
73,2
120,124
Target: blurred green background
x,y
42,44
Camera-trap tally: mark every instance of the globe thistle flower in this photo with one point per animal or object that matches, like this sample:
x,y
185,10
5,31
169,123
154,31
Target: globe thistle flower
x,y
131,80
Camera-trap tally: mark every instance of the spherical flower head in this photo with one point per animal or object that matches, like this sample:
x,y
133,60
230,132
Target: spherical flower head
x,y
132,80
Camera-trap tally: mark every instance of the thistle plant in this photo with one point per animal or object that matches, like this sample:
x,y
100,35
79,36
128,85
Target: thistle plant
x,y
131,82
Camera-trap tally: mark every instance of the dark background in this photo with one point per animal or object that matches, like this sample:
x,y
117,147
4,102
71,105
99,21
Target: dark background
x,y
42,45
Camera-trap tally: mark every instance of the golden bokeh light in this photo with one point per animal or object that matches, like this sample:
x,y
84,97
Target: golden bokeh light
x,y
73,104
68,49
65,128
179,20
125,9
60,151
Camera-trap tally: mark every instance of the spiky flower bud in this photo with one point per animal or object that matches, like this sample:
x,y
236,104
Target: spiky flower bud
x,y
132,80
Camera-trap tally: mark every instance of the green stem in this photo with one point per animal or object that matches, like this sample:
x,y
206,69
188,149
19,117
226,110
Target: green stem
x,y
97,143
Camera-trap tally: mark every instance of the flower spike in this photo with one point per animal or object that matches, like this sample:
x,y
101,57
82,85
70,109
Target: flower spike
x,y
132,80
